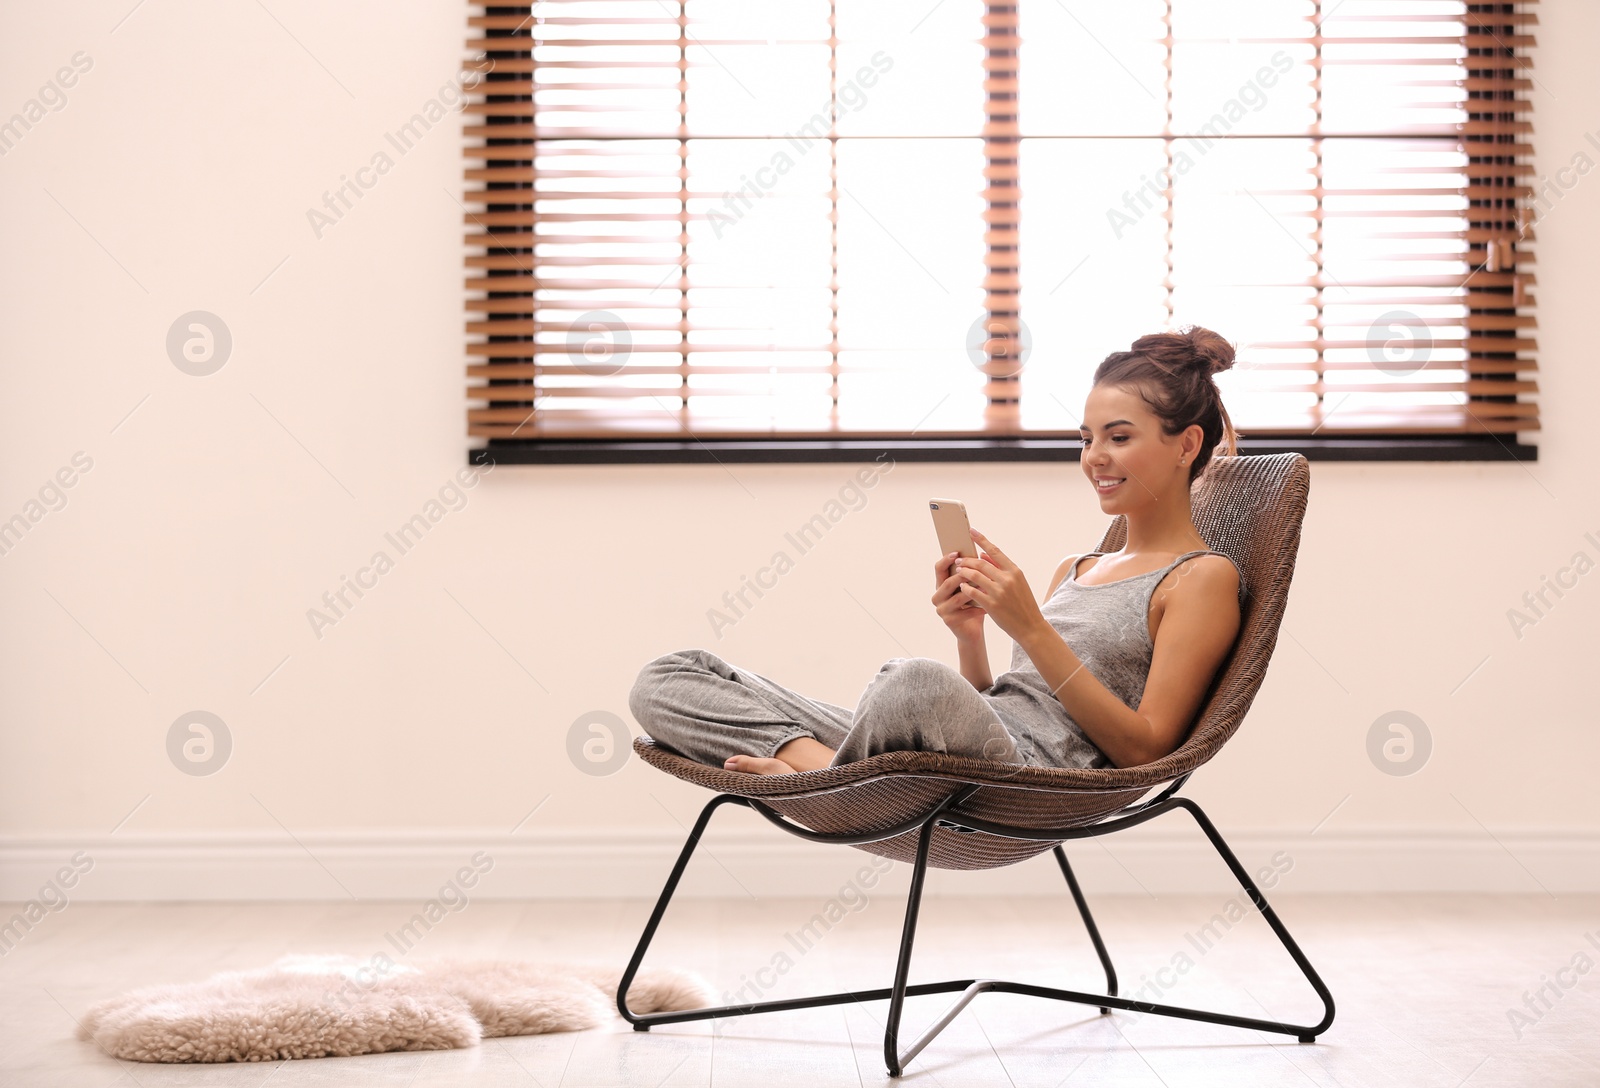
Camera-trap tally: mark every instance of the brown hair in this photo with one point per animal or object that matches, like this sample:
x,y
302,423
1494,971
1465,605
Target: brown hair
x,y
1172,372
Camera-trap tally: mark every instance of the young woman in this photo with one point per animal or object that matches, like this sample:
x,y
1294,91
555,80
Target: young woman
x,y
1108,671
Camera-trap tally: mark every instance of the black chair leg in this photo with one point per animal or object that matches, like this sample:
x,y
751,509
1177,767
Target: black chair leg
x,y
1088,922
1308,1034
896,994
642,1023
902,968
970,988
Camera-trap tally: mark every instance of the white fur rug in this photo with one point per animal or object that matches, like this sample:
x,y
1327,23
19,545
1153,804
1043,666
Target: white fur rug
x,y
307,1006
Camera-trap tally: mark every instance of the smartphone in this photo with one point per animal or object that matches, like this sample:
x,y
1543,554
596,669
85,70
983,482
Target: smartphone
x,y
955,532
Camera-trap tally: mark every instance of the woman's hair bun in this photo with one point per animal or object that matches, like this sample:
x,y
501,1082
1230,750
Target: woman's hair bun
x,y
1209,349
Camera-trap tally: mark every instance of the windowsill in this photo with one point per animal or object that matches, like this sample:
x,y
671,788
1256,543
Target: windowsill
x,y
746,451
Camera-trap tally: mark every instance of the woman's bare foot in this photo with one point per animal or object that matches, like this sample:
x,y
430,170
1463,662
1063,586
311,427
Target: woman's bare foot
x,y
792,757
757,765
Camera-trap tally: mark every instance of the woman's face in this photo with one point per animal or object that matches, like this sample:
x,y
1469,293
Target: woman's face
x,y
1123,441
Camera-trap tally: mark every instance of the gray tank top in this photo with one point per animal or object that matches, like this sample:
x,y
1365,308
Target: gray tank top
x,y
1108,627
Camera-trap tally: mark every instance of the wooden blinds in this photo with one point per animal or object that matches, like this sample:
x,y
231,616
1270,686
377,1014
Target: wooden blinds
x,y
876,219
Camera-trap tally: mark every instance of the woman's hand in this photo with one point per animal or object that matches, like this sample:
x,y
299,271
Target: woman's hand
x,y
964,618
996,585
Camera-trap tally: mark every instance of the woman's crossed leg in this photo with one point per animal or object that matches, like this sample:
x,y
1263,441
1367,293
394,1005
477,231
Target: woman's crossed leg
x,y
694,702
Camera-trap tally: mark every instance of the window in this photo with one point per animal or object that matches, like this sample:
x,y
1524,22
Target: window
x,y
805,230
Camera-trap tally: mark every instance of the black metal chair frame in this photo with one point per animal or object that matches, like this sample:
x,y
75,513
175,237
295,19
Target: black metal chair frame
x,y
969,988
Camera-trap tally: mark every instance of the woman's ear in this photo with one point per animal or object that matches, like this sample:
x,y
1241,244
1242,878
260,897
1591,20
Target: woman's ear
x,y
1199,434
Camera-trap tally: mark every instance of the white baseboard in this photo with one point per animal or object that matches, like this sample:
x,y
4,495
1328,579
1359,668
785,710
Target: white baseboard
x,y
762,861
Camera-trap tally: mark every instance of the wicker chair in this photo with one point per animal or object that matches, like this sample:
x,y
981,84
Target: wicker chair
x,y
954,812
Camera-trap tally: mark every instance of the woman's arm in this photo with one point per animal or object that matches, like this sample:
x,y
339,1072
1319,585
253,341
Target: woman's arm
x,y
975,654
975,661
1198,628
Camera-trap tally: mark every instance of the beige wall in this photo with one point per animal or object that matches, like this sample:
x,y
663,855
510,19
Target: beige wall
x,y
179,573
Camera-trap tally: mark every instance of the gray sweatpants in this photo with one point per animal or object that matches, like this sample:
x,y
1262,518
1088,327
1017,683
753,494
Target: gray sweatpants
x,y
696,704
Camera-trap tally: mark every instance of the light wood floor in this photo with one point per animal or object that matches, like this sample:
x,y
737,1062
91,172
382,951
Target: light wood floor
x,y
1423,986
